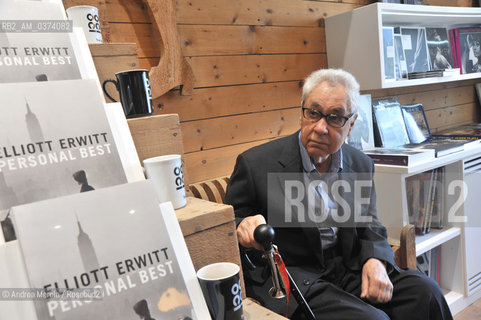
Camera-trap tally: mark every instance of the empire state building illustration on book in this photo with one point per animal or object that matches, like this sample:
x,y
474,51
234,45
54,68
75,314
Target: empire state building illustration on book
x,y
54,144
116,241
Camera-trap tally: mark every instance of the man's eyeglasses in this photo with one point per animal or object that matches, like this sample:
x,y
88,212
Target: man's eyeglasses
x,y
332,119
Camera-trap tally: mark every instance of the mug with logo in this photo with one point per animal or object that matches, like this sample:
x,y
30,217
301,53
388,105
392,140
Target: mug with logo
x,y
166,175
87,18
135,93
221,286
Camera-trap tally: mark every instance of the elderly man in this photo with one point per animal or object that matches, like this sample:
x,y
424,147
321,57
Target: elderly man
x,y
344,269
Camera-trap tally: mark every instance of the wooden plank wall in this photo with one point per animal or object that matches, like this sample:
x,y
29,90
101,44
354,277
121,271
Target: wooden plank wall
x,y
249,58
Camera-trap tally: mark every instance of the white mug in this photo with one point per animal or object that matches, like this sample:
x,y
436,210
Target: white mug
x,y
166,174
86,17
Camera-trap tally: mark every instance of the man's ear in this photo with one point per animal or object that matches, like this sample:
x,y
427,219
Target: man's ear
x,y
351,124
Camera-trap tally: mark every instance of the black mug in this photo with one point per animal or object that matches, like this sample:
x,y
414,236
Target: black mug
x,y
135,92
221,286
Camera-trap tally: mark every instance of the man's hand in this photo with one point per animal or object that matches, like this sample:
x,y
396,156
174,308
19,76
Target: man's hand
x,y
245,231
376,286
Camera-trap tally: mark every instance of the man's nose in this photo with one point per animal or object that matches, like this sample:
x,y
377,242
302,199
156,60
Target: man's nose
x,y
321,126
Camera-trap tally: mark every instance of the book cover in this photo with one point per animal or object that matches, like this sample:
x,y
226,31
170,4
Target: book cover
x,y
400,61
464,132
388,49
454,51
399,156
362,134
441,147
437,217
115,240
468,49
414,203
27,56
55,140
389,123
415,49
439,48
416,123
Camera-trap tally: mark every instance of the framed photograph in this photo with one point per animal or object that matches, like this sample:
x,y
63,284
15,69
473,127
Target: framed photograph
x,y
415,49
388,49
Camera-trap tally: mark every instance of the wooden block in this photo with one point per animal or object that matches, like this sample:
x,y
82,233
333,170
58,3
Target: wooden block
x,y
156,136
112,58
210,233
254,311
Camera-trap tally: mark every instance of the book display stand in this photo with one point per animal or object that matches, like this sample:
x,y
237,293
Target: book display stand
x,y
361,51
66,135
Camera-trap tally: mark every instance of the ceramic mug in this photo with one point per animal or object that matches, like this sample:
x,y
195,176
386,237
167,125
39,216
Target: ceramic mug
x,y
87,18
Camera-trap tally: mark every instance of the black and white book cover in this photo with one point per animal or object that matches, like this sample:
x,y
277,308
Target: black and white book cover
x,y
469,49
388,49
362,134
27,56
439,48
389,123
415,49
400,61
117,241
55,140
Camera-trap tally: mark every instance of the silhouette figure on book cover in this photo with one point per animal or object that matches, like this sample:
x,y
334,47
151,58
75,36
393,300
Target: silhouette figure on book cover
x,y
81,177
142,309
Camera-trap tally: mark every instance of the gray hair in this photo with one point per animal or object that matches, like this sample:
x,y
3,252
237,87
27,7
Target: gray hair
x,y
334,77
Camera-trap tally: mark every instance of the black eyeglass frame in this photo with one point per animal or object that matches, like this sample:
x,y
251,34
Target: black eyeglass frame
x,y
332,116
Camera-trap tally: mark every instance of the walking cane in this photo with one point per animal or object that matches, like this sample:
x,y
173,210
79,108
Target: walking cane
x,y
264,234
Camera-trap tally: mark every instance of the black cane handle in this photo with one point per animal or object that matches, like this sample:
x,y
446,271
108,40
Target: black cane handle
x,y
264,234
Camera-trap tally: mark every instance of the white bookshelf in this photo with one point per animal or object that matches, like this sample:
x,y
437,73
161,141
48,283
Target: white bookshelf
x,y
354,39
460,268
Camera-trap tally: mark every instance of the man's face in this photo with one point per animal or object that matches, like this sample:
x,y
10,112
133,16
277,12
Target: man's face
x,y
320,139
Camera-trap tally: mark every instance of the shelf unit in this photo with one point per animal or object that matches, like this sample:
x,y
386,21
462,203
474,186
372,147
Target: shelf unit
x,y
460,271
354,39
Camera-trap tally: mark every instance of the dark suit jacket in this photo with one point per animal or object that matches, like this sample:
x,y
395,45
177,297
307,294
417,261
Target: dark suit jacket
x,y
253,190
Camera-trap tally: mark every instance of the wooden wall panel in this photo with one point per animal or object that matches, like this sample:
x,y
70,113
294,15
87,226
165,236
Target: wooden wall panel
x,y
216,102
247,69
211,163
249,58
260,12
218,132
229,40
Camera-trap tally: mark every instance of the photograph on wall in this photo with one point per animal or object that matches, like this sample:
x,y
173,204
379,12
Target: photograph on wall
x,y
439,48
135,266
415,49
388,50
54,143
